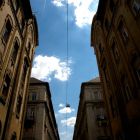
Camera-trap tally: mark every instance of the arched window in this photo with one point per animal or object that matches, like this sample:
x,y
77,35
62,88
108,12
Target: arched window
x,y
0,127
1,2
15,4
6,30
14,136
15,51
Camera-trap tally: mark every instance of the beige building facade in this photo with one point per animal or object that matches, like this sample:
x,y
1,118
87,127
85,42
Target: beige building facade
x,y
18,40
40,123
91,122
115,36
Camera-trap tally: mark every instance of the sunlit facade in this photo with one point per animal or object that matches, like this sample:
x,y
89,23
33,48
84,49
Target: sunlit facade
x,y
115,36
40,123
18,40
91,122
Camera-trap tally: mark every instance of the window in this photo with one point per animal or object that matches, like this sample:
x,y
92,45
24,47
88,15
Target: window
x,y
29,47
112,105
33,96
95,95
101,49
128,94
22,24
115,52
6,31
0,127
14,136
14,52
101,120
18,107
6,86
107,25
105,73
136,6
15,4
31,113
111,5
123,31
25,68
138,73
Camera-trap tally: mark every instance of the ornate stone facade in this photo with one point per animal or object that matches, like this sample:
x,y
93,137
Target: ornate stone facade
x,y
91,122
40,123
115,36
18,40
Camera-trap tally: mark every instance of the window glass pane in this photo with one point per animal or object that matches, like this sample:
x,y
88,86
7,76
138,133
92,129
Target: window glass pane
x,y
7,31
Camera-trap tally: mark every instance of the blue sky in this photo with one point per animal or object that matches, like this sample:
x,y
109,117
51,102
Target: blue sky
x,y
50,61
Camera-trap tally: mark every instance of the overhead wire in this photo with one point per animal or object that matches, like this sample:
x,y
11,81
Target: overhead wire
x,y
67,56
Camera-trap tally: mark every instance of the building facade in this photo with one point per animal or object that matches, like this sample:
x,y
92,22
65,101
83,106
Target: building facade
x,y
18,40
115,36
40,123
91,122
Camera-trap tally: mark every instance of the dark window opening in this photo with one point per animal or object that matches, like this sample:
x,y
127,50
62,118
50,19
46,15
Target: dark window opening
x,y
0,127
29,47
136,6
1,1
6,86
107,25
112,5
123,31
101,49
18,107
25,68
101,120
33,96
115,52
15,52
138,73
7,31
15,4
128,94
14,136
22,24
112,105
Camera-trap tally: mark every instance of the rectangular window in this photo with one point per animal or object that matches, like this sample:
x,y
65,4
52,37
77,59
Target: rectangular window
x,y
6,86
112,5
123,32
101,120
136,6
115,52
128,94
7,30
112,105
18,107
14,52
33,96
15,4
25,68
31,113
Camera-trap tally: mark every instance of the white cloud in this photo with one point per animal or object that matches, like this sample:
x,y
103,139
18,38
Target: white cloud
x,y
46,67
58,3
66,110
61,105
84,10
69,122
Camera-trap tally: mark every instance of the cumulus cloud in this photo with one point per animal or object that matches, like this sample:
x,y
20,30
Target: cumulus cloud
x,y
61,105
46,67
58,3
69,122
84,10
66,110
